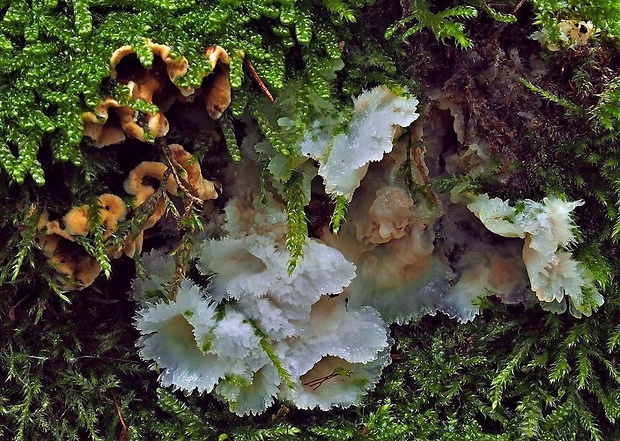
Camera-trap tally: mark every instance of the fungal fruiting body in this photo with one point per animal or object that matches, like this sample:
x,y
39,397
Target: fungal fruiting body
x,y
318,344
547,227
275,326
316,334
218,97
137,184
140,114
57,238
344,157
572,34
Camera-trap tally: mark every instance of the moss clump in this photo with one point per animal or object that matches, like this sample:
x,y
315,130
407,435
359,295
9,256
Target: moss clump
x,y
55,54
70,369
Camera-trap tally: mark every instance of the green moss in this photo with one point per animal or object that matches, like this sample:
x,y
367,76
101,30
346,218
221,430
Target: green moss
x,y
443,24
48,78
604,14
511,374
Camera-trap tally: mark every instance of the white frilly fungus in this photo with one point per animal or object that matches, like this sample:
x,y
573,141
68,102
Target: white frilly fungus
x,y
252,396
340,354
333,380
317,336
390,238
253,270
344,158
196,350
334,329
259,332
555,276
159,270
171,334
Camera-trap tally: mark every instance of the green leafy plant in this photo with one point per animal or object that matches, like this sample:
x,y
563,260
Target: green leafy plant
x,y
442,24
70,370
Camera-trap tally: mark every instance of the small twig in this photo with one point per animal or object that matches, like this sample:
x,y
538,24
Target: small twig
x,y
185,186
337,372
94,357
182,255
258,79
416,155
318,382
183,251
174,210
514,11
123,435
12,309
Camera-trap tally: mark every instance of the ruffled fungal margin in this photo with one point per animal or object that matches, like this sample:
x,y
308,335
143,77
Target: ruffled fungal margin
x,y
137,184
339,356
172,336
273,329
58,239
389,235
113,210
139,110
555,276
335,381
344,157
130,123
175,67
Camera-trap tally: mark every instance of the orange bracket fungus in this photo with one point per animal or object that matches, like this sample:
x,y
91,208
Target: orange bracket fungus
x,y
114,118
57,238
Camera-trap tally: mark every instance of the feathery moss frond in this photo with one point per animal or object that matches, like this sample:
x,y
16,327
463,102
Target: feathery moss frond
x,y
442,24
